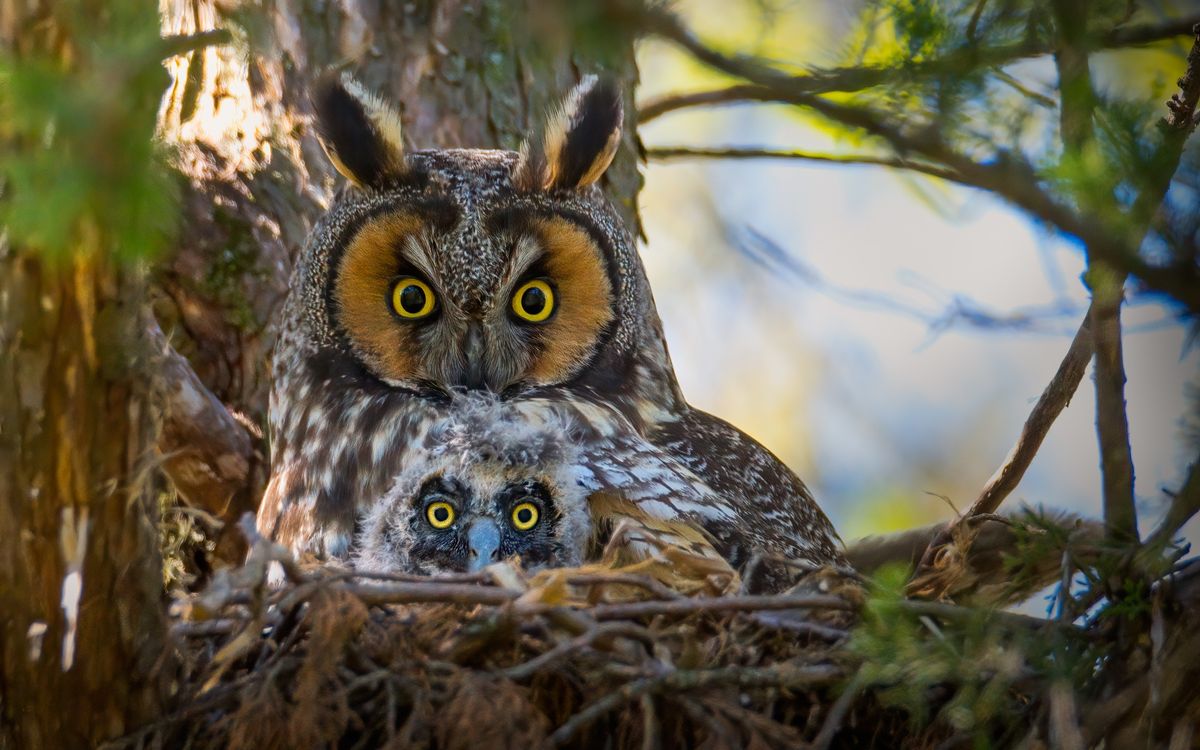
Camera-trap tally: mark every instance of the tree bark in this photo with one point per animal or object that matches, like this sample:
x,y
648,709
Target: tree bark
x,y
82,625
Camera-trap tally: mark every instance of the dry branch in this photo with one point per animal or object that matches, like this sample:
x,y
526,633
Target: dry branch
x,y
664,153
1053,400
857,78
724,604
1184,505
209,456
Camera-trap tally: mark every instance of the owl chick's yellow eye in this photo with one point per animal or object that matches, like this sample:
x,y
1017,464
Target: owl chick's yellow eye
x,y
440,515
533,301
412,298
525,516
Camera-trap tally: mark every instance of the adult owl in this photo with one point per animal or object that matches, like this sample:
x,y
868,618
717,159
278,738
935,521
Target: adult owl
x,y
462,269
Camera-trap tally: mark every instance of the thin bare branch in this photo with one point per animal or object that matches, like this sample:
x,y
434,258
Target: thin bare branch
x,y
727,95
857,78
1050,404
1184,505
1053,400
723,604
665,153
207,453
413,593
837,712
181,44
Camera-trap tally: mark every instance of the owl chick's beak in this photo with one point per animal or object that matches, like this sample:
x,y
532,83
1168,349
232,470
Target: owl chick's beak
x,y
483,538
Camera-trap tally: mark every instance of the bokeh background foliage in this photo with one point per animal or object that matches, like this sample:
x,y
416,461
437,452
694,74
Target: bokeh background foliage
x,y
82,171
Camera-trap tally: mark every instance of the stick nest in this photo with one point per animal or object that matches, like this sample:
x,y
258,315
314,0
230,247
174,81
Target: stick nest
x,y
655,654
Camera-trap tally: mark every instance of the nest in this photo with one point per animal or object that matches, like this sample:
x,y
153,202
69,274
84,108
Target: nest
x,y
659,653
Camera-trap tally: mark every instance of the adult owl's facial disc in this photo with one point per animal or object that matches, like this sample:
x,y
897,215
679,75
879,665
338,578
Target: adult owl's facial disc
x,y
472,269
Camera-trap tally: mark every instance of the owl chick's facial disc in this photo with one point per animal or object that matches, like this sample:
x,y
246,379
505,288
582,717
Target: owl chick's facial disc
x,y
467,268
483,486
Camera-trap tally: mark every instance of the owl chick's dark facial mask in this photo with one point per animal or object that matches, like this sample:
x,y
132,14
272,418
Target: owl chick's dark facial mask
x,y
450,527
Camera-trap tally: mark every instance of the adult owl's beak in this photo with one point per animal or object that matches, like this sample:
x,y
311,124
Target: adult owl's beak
x,y
474,376
483,538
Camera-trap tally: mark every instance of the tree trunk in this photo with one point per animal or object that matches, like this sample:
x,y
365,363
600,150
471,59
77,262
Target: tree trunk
x,y
82,625
80,581
463,74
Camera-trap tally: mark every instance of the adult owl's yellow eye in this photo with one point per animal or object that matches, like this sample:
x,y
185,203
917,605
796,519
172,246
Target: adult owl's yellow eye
x,y
412,298
440,515
525,516
533,301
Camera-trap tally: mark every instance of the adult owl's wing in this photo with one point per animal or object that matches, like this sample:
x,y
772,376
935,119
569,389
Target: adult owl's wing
x,y
289,514
773,514
658,505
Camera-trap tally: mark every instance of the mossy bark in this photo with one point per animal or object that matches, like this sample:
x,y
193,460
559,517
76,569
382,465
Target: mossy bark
x,y
83,620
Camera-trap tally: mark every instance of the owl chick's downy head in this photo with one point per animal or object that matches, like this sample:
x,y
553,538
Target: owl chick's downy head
x,y
485,486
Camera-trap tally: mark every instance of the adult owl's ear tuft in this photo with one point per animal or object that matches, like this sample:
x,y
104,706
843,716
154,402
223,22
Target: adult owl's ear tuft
x,y
358,130
579,141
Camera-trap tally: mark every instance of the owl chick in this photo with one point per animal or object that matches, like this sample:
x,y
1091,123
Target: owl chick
x,y
479,490
542,481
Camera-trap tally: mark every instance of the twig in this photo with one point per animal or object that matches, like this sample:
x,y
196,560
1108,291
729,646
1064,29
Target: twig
x,y
414,593
728,95
973,23
837,712
953,612
780,675
181,44
646,583
561,651
1184,505
651,728
207,454
804,627
1053,400
724,604
665,153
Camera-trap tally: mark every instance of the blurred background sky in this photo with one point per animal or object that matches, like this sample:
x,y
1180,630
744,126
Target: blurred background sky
x,y
824,342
